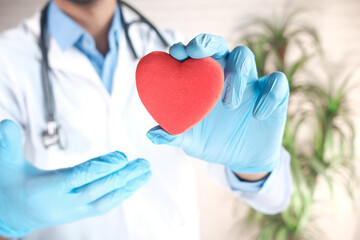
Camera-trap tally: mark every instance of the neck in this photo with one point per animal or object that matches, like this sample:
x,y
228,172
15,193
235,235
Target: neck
x,y
94,17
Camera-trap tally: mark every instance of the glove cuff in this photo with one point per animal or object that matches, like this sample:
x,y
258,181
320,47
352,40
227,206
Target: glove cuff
x,y
9,232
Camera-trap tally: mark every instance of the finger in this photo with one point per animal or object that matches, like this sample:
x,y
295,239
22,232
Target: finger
x,y
207,45
11,142
274,92
240,70
111,182
178,52
92,170
116,197
159,136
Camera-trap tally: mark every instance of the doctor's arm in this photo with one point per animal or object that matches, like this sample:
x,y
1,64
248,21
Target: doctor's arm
x,y
242,135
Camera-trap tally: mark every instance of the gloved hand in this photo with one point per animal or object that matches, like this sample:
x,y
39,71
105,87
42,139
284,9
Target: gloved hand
x,y
31,198
244,131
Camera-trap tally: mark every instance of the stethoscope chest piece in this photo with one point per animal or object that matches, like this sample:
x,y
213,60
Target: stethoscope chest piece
x,y
54,135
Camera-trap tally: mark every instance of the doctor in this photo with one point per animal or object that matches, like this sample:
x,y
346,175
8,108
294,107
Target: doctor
x,y
55,192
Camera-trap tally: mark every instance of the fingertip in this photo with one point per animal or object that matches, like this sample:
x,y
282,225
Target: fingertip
x,y
6,121
117,158
245,51
110,162
149,174
139,181
277,87
275,93
178,51
146,176
143,162
196,49
155,129
207,45
9,127
152,133
283,83
158,136
240,70
119,155
10,135
241,60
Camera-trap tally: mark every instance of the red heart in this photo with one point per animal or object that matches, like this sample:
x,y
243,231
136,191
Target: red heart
x,y
177,94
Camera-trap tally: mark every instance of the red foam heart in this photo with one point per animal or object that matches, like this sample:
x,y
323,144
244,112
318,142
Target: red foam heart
x,y
177,94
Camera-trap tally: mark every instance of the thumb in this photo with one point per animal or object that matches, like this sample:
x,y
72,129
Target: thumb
x,y
159,136
10,142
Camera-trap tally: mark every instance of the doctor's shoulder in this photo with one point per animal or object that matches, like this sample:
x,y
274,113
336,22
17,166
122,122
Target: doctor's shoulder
x,y
21,42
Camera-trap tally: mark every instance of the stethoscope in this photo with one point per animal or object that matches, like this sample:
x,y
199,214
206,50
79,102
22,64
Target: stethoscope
x,y
54,134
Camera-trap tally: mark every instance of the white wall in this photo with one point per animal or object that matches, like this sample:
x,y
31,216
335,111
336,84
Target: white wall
x,y
339,24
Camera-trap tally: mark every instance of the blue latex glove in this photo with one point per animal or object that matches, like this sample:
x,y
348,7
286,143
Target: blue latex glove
x,y
244,131
31,198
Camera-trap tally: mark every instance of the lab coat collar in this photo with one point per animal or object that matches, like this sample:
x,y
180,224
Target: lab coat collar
x,y
75,64
68,32
63,28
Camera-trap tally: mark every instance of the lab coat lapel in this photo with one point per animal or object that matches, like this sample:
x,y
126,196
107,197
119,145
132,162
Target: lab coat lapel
x,y
124,75
71,61
75,65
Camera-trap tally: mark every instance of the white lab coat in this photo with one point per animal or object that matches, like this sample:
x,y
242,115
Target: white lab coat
x,y
97,123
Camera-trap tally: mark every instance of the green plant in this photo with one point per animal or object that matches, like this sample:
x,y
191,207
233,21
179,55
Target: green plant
x,y
271,41
329,151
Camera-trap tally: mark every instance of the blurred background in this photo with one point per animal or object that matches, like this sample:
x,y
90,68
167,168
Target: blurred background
x,y
317,44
